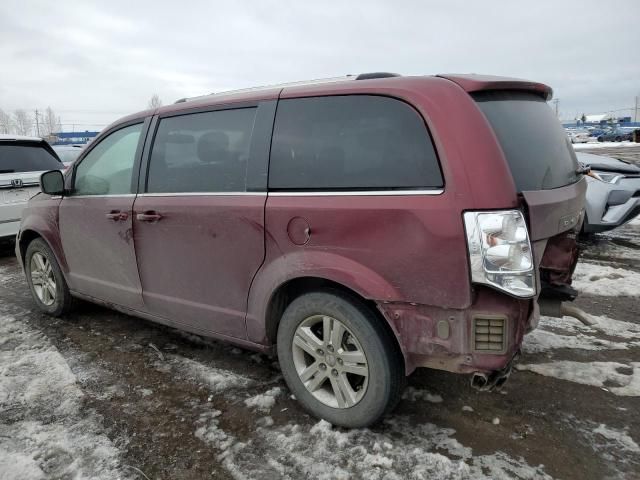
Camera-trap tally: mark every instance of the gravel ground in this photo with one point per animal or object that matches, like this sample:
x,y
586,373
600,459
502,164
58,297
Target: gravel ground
x,y
104,395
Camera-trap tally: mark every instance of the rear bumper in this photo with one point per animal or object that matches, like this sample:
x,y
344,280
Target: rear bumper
x,y
451,340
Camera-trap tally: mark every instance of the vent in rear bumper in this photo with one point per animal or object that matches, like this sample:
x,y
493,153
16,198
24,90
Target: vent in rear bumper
x,y
489,334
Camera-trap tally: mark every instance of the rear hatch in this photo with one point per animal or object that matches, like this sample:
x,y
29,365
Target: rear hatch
x,y
546,174
21,164
544,168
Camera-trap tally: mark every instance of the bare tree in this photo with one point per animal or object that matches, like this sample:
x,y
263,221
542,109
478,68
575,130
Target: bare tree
x,y
51,123
23,122
6,123
155,101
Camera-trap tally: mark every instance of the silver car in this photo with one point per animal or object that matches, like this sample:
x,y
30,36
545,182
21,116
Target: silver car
x,y
22,161
613,192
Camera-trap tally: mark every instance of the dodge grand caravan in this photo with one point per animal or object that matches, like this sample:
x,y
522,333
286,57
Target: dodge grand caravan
x,y
359,228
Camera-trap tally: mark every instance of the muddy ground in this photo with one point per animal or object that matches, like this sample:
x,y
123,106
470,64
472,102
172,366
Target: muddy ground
x,y
144,401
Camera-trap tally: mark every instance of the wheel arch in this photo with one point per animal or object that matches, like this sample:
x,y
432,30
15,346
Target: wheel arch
x,y
30,234
293,288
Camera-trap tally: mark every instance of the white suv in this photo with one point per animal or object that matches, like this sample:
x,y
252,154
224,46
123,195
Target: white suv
x,y
22,160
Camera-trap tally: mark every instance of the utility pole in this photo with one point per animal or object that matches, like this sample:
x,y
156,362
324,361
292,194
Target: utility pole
x,y
555,102
37,124
635,111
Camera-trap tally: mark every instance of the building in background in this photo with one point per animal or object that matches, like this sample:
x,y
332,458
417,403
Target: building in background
x,y
72,138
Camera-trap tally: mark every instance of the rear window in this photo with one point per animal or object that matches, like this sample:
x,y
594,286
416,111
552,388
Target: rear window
x,y
26,157
536,147
358,142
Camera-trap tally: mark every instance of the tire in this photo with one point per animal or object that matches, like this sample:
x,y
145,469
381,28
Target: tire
x,y
38,254
365,344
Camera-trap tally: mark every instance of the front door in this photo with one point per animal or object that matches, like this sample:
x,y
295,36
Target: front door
x,y
96,221
199,234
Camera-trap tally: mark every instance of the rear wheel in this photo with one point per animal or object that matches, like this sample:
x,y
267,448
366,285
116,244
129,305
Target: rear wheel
x,y
338,360
48,286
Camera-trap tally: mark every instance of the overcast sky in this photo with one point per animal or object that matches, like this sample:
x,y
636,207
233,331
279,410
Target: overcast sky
x,y
93,62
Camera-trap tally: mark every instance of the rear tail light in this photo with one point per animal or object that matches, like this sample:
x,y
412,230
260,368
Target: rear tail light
x,y
500,251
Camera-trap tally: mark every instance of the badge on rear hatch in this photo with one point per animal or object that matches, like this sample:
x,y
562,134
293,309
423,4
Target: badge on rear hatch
x,y
16,183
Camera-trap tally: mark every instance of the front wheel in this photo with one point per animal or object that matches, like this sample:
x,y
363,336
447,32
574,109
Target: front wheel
x,y
339,360
46,282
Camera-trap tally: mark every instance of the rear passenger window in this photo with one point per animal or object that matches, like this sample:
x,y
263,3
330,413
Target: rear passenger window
x,y
356,142
201,152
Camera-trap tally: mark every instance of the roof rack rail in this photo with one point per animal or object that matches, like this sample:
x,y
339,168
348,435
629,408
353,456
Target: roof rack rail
x,y
268,87
372,75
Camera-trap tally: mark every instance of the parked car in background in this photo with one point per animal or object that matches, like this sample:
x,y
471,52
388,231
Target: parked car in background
x,y
613,193
360,228
615,135
578,136
67,153
22,160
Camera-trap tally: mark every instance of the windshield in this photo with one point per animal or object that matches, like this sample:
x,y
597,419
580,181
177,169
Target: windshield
x,y
536,147
26,157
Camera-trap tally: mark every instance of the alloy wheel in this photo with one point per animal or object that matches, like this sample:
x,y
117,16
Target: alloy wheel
x,y
42,278
330,361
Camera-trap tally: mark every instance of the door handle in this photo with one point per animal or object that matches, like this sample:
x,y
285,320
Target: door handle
x,y
116,215
148,216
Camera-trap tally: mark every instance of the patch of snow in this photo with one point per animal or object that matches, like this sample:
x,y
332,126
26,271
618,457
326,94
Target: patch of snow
x,y
467,408
620,438
414,394
596,374
596,279
145,392
264,401
44,432
581,336
496,421
614,445
596,144
216,379
401,450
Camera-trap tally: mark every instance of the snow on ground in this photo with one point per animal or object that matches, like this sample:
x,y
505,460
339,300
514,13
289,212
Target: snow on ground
x,y
216,379
624,378
404,450
577,335
590,278
44,432
265,401
589,145
417,394
613,445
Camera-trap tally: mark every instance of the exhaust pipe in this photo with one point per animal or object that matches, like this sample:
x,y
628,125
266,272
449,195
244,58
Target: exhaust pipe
x,y
479,381
558,309
494,380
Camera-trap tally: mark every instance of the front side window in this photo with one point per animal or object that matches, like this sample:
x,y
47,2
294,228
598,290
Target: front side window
x,y
356,142
202,152
108,167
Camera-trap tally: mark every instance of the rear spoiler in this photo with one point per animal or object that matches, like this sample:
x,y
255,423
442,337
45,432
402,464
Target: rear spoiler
x,y
478,83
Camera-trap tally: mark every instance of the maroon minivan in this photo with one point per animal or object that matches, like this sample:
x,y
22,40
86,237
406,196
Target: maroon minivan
x,y
360,228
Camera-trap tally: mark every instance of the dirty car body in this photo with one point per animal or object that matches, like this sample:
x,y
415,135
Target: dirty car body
x,y
445,253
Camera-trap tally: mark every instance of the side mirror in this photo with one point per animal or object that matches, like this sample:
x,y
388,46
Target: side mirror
x,y
52,182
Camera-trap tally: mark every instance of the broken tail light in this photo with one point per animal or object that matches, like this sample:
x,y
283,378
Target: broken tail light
x,y
500,251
